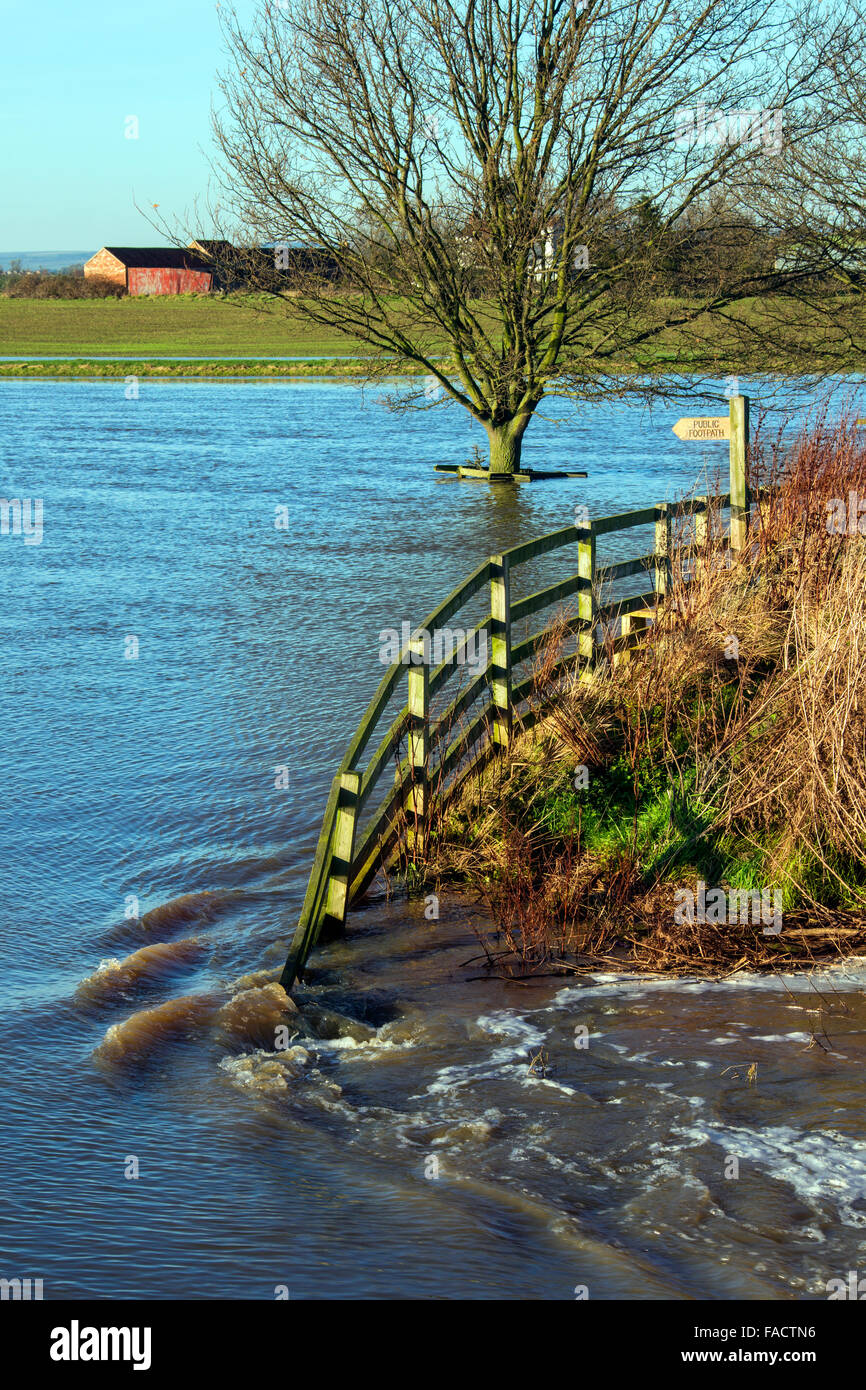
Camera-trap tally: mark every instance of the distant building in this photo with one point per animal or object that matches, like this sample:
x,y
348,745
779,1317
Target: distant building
x,y
212,249
153,269
295,262
544,252
208,265
223,261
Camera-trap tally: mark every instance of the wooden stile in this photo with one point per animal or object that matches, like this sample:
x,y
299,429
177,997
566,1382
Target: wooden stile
x,y
500,648
419,733
586,601
345,821
349,856
663,550
740,499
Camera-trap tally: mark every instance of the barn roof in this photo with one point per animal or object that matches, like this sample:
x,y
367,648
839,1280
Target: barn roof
x,y
159,257
211,246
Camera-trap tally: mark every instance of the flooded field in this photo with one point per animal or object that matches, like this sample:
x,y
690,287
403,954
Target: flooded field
x,y
424,1131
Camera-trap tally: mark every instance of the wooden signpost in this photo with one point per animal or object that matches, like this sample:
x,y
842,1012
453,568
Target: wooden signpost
x,y
733,427
703,427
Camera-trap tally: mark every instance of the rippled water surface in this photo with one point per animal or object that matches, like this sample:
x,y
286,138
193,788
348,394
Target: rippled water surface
x,y
455,1139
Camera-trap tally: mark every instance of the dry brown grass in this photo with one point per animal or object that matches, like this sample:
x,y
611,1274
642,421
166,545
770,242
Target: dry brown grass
x,y
743,711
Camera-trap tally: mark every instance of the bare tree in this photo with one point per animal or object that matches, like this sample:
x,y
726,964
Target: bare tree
x,y
821,182
523,198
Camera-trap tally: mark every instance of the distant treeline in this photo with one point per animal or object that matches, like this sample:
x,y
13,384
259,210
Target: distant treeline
x,y
626,250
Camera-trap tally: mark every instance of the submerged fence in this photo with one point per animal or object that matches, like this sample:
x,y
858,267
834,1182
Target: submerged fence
x,y
426,756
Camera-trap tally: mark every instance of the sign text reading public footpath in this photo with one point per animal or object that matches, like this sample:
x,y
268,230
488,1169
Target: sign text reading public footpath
x,y
703,427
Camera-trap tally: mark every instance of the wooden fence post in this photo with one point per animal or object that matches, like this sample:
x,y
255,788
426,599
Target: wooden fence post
x,y
586,598
340,871
499,664
702,534
419,729
630,625
740,498
662,575
702,521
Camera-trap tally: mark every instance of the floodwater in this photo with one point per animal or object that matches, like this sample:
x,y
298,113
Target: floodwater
x,y
170,660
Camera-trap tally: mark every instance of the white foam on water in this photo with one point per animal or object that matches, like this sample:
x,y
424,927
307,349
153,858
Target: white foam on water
x,y
106,966
779,1037
842,976
519,1036
656,1061
532,1080
266,1072
820,1165
362,1049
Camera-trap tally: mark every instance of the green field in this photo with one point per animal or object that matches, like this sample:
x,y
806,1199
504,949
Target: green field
x,y
251,327
183,326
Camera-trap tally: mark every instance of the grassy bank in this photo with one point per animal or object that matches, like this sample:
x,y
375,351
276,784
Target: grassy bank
x,y
718,774
81,368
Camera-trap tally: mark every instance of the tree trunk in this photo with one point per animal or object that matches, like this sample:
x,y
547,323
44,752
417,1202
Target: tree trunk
x,y
506,442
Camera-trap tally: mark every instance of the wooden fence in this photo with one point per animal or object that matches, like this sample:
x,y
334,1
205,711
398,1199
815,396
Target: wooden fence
x,y
350,850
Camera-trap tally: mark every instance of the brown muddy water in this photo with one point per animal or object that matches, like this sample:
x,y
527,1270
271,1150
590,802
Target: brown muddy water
x,y
421,1130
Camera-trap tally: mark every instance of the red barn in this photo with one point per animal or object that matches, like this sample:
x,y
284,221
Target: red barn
x,y
152,269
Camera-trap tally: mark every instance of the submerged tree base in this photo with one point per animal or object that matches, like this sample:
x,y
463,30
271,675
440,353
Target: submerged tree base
x,y
526,475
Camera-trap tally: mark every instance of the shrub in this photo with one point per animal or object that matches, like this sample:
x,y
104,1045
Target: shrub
x,y
39,285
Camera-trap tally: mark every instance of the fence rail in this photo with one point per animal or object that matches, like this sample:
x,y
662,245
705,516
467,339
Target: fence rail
x,y
348,857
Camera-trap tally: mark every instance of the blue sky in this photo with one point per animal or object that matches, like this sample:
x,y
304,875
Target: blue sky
x,y
70,75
